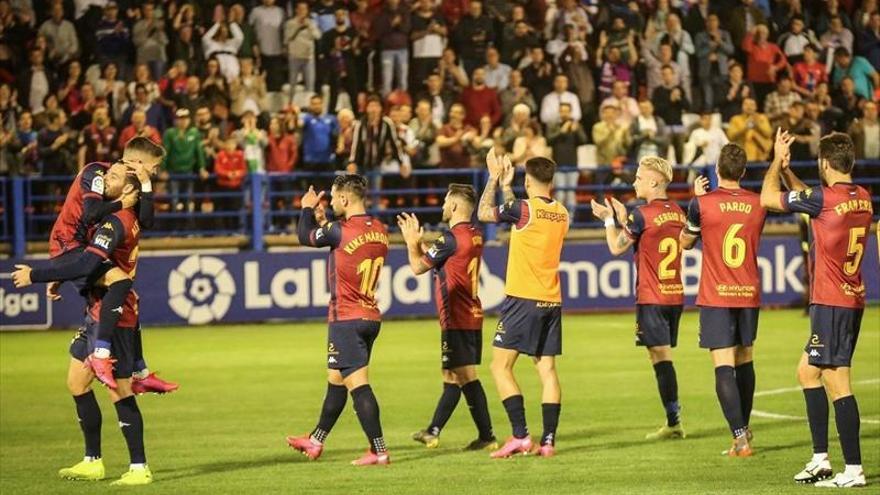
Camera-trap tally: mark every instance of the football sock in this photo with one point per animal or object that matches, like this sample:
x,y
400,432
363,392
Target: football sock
x,y
516,412
334,403
89,414
367,409
479,408
667,384
550,413
728,397
132,425
111,311
817,414
448,400
139,362
745,382
846,414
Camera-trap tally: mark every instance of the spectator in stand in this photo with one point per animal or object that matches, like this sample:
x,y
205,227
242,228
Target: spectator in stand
x,y
538,74
439,99
425,131
345,137
281,156
212,140
765,61
530,145
70,91
752,131
113,39
192,99
612,67
564,138
56,145
267,21
515,94
183,155
472,36
248,91
808,73
479,100
742,21
112,90
9,108
142,76
223,42
655,64
252,140
497,73
518,39
619,36
137,128
713,47
551,103
238,18
300,34
521,117
97,141
429,37
736,89
829,10
391,29
778,102
627,105
847,102
572,57
452,73
337,55
704,144
863,75
457,141
682,48
611,139
649,134
88,102
231,171
23,146
697,17
865,133
805,131
375,141
184,46
868,40
215,88
35,82
796,39
325,14
61,36
153,111
41,119
150,39
318,133
837,36
862,15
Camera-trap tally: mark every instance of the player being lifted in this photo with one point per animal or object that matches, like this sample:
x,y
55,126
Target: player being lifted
x,y
841,215
729,220
358,247
455,259
531,315
652,230
114,242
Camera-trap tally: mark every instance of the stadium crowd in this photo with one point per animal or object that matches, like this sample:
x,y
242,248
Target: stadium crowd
x,y
391,85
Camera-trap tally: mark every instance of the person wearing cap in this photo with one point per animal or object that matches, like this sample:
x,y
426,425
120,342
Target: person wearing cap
x,y
185,155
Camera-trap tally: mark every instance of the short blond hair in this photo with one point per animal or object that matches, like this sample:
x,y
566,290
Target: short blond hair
x,y
658,165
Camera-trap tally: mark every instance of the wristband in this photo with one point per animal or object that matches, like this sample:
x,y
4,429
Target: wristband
x,y
146,187
609,222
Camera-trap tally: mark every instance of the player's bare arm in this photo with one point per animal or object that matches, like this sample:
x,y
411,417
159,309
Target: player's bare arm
x,y
412,234
486,210
618,241
771,189
507,174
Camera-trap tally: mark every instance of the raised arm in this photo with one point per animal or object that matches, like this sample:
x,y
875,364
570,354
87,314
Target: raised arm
x,y
412,235
771,189
486,209
618,241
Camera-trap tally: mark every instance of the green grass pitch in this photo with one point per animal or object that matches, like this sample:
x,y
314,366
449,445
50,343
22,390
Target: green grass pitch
x,y
245,387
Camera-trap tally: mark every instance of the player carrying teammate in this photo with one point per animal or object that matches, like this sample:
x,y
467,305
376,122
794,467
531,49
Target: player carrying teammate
x,y
729,220
652,230
115,241
841,215
455,258
531,315
358,247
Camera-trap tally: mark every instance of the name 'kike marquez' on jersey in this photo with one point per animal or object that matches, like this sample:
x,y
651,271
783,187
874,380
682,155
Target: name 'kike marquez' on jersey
x,y
730,222
455,258
539,226
841,220
654,228
358,248
70,230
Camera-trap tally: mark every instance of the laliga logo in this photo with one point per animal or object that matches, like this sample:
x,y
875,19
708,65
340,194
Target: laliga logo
x,y
200,290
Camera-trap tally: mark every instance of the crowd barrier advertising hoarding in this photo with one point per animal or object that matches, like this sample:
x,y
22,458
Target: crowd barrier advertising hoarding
x,y
251,287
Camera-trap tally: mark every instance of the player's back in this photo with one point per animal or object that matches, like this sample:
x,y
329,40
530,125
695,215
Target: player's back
x,y
357,262
655,227
839,241
69,230
457,277
535,249
731,221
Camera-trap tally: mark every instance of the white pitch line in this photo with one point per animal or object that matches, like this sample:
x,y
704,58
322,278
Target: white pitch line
x,y
770,415
778,391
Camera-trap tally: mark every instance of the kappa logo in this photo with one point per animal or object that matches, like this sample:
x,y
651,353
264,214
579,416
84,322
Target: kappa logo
x,y
121,424
117,309
200,289
498,338
331,360
814,353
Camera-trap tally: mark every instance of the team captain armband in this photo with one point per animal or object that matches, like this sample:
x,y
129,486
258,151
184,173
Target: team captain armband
x,y
693,217
808,201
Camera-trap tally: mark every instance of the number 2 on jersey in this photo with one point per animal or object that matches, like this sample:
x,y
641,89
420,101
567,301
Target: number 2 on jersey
x,y
854,249
369,271
669,247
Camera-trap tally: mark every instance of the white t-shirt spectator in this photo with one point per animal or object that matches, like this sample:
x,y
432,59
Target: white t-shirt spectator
x,y
550,106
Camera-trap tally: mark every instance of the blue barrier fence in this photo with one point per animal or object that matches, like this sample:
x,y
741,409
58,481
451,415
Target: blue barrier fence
x,y
188,206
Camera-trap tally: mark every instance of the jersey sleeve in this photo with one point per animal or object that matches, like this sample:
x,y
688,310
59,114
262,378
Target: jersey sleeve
x,y
110,233
635,224
693,217
514,212
328,235
808,201
92,182
440,251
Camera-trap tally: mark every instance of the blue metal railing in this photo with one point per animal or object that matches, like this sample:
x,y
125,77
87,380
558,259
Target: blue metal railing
x,y
199,208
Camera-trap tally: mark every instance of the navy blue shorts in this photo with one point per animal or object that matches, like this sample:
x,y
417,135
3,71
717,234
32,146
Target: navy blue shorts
x,y
530,327
461,348
350,344
834,333
123,346
728,327
657,325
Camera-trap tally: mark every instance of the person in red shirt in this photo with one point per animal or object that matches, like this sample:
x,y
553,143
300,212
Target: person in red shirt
x,y
97,141
765,60
841,214
652,230
457,140
729,220
138,127
358,246
231,170
809,73
479,100
455,259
